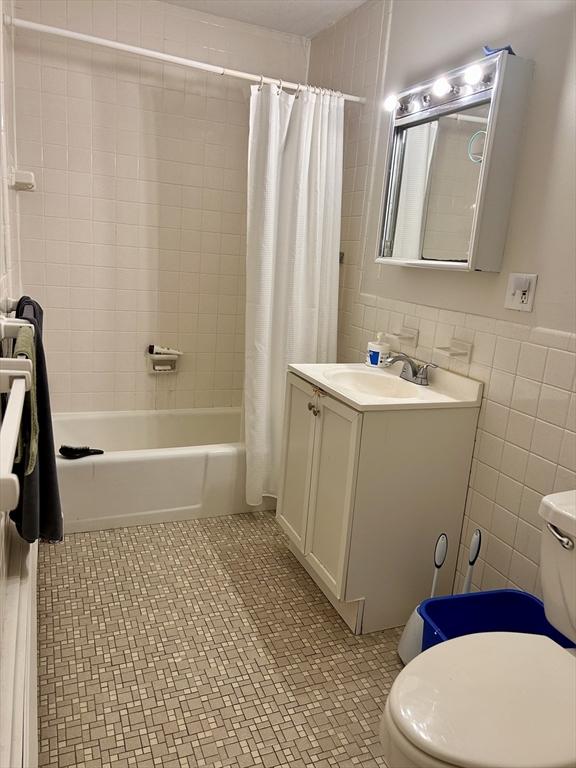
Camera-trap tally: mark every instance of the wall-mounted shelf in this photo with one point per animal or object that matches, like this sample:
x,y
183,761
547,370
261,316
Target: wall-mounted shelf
x,y
22,181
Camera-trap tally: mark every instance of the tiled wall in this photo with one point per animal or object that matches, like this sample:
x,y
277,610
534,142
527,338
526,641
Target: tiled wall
x,y
9,278
526,441
137,232
9,245
349,56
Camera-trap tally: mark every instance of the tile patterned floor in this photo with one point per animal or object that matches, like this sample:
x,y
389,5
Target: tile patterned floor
x,y
200,643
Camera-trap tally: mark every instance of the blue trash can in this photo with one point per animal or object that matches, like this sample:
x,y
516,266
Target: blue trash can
x,y
499,610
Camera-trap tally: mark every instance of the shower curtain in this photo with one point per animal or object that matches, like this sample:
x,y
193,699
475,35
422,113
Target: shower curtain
x,y
293,241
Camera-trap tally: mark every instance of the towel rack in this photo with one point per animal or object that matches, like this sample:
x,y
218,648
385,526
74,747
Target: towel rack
x,y
16,379
9,327
9,485
8,305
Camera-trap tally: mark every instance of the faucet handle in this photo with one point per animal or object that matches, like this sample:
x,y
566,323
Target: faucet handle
x,y
422,374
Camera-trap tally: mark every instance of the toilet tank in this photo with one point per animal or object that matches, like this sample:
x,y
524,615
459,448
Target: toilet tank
x,y
558,560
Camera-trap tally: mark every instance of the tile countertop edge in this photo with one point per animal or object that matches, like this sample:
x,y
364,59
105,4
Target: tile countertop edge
x,y
387,404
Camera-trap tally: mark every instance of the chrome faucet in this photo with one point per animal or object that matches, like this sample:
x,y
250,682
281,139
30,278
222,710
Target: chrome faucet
x,y
411,371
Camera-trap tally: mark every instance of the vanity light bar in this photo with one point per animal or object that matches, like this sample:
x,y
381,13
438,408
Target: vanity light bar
x,y
476,77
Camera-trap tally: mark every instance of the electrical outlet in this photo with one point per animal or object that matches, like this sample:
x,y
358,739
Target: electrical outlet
x,y
520,292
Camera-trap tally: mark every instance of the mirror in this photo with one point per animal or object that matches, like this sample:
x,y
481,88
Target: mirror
x,y
453,144
439,186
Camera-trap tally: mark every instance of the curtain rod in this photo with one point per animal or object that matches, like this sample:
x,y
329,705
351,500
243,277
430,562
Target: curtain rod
x,y
158,55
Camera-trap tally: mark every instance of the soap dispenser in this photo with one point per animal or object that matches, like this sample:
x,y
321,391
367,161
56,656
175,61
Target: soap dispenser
x,y
377,351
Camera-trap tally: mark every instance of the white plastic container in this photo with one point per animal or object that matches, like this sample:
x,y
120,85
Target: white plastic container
x,y
377,351
410,644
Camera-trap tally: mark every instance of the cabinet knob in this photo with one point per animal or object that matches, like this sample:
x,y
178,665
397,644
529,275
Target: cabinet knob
x,y
315,411
310,406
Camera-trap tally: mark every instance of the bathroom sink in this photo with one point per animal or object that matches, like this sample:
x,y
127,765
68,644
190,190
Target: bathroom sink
x,y
368,389
373,383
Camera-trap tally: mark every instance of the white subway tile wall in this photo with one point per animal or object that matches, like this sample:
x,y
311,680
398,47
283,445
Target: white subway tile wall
x,y
9,244
526,440
9,273
136,234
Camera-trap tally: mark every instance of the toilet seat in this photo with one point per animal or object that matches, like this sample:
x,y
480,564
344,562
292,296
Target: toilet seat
x,y
492,700
399,752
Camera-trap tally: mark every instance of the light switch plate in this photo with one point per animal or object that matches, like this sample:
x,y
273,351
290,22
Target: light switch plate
x,y
520,291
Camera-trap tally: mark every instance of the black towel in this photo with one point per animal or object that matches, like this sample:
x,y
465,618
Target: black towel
x,y
38,514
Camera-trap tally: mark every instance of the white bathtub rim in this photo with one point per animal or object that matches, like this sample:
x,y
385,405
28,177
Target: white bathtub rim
x,y
143,412
119,425
155,453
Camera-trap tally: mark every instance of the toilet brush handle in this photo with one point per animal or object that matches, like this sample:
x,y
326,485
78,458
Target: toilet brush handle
x,y
440,552
434,582
475,544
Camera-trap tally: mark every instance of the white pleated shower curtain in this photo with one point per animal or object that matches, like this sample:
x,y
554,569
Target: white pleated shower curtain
x,y
293,241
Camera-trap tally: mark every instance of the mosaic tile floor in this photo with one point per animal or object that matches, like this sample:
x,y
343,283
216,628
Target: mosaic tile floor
x,y
200,643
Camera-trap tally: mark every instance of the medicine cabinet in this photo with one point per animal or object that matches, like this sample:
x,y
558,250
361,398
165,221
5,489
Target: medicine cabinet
x,y
452,152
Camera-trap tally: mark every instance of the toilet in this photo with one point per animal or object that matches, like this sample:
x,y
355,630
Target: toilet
x,y
496,699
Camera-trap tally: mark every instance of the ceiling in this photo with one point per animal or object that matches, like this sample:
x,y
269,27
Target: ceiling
x,y
299,17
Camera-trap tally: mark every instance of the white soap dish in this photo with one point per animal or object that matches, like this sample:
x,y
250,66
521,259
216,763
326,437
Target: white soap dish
x,y
162,363
457,348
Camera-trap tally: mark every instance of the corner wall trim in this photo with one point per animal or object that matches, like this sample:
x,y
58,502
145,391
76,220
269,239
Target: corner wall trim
x,y
18,655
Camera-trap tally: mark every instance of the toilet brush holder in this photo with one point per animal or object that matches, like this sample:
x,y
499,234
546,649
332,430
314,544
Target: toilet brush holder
x,y
410,644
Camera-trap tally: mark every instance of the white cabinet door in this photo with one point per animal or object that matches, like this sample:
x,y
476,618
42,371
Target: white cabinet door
x,y
294,493
336,448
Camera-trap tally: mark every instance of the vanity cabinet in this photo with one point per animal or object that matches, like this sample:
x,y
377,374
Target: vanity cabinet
x,y
364,495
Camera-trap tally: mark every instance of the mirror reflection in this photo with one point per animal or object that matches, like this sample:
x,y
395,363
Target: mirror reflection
x,y
441,164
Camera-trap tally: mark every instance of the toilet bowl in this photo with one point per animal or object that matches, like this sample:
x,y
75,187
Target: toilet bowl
x,y
492,700
496,699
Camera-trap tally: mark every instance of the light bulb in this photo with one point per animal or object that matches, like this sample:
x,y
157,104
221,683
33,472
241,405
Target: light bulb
x,y
391,103
473,74
441,87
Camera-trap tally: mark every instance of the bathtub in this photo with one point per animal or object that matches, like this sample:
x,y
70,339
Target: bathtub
x,y
157,466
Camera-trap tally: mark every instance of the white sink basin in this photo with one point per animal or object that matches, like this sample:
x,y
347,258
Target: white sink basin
x,y
369,389
372,383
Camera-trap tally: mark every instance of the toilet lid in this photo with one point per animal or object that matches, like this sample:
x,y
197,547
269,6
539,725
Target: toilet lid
x,y
491,700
